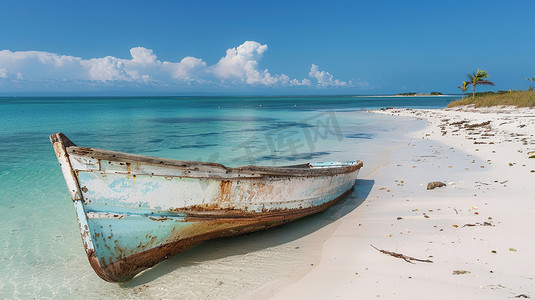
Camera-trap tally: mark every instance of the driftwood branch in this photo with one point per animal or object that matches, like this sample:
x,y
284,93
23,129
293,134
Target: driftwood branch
x,y
478,224
399,255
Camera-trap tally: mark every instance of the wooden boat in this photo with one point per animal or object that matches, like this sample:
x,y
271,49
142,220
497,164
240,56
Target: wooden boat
x,y
135,211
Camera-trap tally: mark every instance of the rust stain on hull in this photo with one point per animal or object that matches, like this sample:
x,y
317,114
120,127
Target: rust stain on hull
x,y
126,268
226,189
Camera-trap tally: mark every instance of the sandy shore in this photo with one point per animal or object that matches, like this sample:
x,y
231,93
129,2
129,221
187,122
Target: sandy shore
x,y
475,236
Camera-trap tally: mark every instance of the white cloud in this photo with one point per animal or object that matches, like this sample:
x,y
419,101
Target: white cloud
x,y
188,69
142,56
241,63
39,65
304,82
239,66
106,68
325,78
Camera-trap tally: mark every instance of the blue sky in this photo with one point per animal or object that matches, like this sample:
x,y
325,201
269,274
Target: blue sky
x,y
263,47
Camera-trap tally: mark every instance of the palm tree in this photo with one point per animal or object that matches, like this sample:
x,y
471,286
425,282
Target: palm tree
x,y
478,79
532,79
464,86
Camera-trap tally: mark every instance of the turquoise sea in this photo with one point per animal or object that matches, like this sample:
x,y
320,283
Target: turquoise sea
x,y
41,253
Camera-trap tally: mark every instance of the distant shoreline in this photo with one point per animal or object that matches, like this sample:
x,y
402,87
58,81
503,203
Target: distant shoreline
x,y
408,96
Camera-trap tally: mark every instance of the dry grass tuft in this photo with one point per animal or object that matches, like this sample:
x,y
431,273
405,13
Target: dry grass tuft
x,y
518,99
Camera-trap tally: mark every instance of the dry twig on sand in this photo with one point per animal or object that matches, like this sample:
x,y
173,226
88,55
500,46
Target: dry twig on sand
x,y
399,255
478,224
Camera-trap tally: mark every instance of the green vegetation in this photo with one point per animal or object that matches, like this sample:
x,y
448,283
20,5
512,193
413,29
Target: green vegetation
x,y
478,78
500,92
487,99
436,93
508,98
406,94
532,79
464,86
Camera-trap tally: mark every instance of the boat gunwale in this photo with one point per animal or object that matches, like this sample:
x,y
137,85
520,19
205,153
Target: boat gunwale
x,y
290,171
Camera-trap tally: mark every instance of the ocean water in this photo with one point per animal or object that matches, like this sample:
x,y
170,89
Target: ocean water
x,y
41,253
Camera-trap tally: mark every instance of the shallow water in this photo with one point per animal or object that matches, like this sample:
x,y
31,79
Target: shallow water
x,y
41,254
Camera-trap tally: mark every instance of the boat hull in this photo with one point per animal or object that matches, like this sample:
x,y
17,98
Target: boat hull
x,y
136,211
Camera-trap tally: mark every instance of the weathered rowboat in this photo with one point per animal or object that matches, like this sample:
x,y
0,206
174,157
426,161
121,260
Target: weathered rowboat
x,y
135,211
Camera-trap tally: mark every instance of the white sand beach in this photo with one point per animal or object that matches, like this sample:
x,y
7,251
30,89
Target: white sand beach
x,y
476,232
